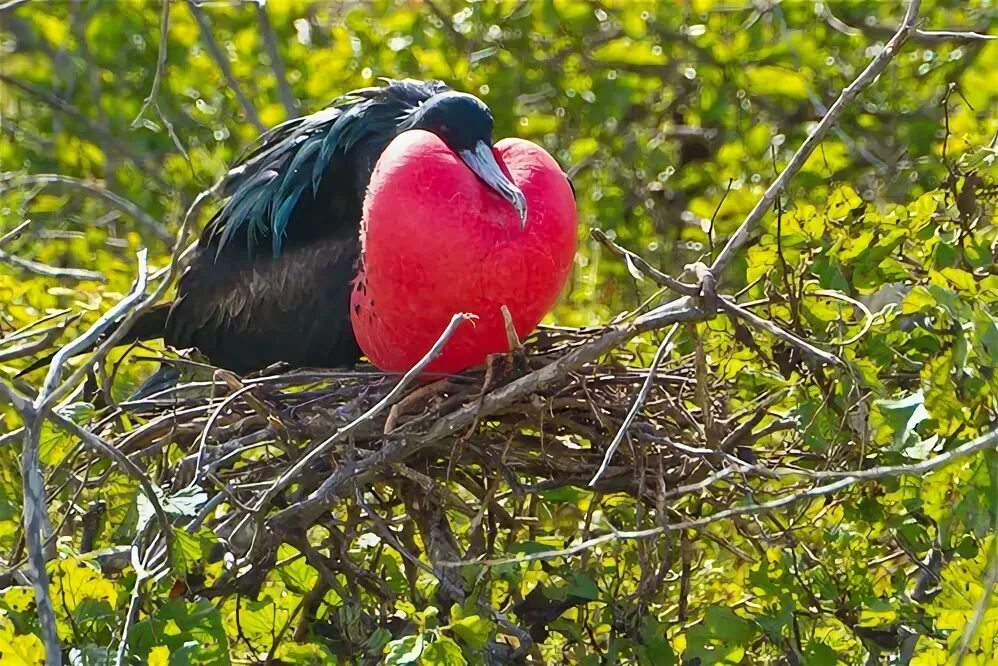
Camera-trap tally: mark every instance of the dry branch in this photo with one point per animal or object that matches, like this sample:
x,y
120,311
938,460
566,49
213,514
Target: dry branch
x,y
216,53
296,450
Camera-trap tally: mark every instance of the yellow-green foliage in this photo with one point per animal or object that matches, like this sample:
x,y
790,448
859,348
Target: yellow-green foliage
x,y
614,90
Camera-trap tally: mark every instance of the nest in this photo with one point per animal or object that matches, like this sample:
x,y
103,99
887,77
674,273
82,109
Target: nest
x,y
447,472
250,432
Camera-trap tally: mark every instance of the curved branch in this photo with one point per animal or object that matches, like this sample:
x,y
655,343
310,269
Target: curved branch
x,y
95,189
867,76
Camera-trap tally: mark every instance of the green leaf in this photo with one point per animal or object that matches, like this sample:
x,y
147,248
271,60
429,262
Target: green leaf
x,y
724,623
405,650
583,586
91,655
904,415
819,654
473,630
442,652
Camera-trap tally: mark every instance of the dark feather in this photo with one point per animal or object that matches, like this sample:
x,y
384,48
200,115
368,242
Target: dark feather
x,y
300,186
305,152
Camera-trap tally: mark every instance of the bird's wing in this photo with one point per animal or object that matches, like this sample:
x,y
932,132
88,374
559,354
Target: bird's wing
x,y
267,183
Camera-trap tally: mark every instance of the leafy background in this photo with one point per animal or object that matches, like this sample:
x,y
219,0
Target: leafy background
x,y
672,118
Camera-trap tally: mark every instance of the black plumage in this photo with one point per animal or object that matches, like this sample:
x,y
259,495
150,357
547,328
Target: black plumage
x,y
270,280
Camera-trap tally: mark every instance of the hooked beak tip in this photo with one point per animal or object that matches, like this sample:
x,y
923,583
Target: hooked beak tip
x,y
483,163
520,204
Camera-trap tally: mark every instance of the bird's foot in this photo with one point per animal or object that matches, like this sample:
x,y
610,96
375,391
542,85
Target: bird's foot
x,y
417,401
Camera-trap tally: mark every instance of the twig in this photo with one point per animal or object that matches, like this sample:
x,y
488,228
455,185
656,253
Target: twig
x,y
127,466
49,335
121,657
50,271
135,310
866,77
985,442
959,36
11,5
14,233
164,37
115,200
276,62
36,525
463,417
928,36
727,304
663,349
164,30
223,64
147,167
982,605
345,431
50,391
642,266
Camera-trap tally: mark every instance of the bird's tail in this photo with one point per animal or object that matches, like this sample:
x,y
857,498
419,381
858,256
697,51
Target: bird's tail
x,y
150,325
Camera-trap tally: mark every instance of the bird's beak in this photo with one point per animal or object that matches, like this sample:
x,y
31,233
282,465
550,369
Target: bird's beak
x,y
484,164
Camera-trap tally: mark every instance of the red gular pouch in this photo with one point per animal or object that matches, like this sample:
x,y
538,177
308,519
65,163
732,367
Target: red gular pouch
x,y
437,241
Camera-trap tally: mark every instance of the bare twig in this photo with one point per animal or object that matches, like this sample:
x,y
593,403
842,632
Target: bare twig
x,y
663,349
45,270
50,391
14,233
867,76
276,61
115,200
204,23
11,5
148,168
164,36
338,436
728,305
48,336
985,442
164,31
725,303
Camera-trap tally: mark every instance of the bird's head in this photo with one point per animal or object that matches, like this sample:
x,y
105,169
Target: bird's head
x,y
465,124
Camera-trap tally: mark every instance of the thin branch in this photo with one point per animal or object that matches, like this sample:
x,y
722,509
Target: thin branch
x,y
14,233
50,390
725,303
323,447
728,304
11,5
204,23
164,30
164,36
134,311
48,336
958,36
867,76
45,270
115,200
276,62
985,442
148,168
663,349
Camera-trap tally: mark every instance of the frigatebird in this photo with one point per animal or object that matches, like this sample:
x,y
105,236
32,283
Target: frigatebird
x,y
272,275
270,280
